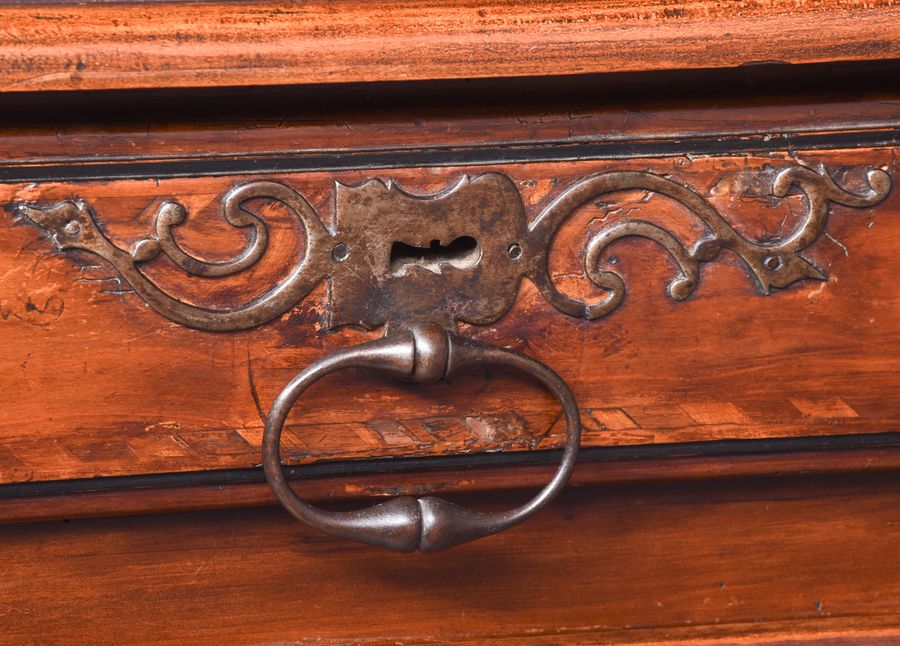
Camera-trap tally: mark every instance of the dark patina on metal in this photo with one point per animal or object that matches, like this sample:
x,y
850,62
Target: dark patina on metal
x,y
422,353
420,264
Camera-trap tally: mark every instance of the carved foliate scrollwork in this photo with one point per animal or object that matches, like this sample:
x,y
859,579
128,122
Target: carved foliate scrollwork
x,y
71,225
772,264
422,263
358,256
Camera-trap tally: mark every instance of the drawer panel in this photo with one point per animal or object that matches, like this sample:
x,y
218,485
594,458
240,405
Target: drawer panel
x,y
99,384
604,565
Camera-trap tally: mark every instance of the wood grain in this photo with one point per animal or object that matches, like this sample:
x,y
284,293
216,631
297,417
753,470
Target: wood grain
x,y
780,561
112,497
139,45
681,526
98,384
761,104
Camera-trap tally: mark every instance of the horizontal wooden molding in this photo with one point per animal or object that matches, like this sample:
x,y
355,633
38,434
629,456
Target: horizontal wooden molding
x,y
217,44
343,481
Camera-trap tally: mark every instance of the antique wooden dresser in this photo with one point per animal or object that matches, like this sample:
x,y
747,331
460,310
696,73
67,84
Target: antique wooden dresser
x,y
450,322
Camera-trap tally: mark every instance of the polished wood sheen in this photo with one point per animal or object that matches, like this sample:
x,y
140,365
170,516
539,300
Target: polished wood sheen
x,y
137,45
110,385
111,496
739,479
776,561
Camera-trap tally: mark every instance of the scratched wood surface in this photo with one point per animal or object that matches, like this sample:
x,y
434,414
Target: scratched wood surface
x,y
68,46
685,543
95,383
783,561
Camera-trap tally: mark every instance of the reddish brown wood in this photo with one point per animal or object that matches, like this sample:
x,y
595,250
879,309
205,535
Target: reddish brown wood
x,y
123,500
757,102
700,546
97,384
65,47
779,561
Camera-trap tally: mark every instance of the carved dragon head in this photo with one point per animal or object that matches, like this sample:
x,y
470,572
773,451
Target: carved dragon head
x,y
70,224
781,268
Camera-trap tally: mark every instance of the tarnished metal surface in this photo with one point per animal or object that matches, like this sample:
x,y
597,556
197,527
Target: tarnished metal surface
x,y
476,284
419,265
71,225
474,281
422,353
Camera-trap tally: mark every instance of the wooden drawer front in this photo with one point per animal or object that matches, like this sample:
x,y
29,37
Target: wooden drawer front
x,y
97,383
748,561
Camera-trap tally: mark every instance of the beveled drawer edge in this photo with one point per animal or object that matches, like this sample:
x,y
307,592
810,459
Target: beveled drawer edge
x,y
354,480
263,163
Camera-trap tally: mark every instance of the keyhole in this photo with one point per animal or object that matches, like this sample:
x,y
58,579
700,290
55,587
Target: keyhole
x,y
462,253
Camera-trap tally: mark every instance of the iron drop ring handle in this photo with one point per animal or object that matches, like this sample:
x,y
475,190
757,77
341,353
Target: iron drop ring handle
x,y
423,353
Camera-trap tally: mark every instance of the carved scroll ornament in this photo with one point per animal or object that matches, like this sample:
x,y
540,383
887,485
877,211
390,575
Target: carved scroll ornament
x,y
369,288
419,264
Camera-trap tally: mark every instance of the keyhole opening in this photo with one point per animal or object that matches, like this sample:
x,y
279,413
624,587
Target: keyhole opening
x,y
462,253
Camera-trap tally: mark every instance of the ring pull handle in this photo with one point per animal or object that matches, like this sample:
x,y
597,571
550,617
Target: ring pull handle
x,y
423,353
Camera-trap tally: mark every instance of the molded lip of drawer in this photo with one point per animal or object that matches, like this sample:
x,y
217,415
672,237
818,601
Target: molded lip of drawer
x,y
380,162
346,481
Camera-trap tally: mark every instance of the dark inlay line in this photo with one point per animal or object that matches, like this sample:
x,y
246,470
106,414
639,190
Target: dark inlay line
x,y
718,448
453,156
